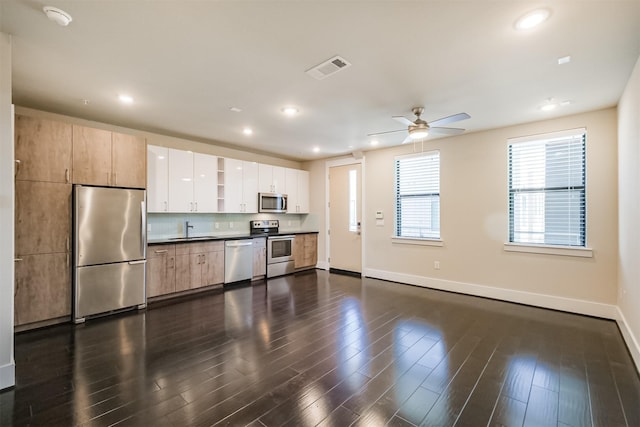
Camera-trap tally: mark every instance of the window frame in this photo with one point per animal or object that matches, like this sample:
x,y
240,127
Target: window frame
x,y
413,240
548,248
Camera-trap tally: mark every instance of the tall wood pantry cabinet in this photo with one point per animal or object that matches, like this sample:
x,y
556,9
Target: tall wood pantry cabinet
x,y
42,220
51,156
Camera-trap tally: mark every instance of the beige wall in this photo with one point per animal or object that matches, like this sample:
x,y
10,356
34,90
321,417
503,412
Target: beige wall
x,y
629,210
474,219
168,141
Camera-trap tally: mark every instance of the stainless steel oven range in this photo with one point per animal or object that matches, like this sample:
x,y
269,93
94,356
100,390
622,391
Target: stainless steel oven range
x,y
280,258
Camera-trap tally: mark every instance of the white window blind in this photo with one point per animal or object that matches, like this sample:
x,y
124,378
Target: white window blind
x,y
418,195
547,189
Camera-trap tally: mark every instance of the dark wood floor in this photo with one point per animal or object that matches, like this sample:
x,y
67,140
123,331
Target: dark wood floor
x,y
330,350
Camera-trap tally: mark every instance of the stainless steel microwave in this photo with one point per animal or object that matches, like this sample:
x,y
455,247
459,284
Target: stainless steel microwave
x,y
272,202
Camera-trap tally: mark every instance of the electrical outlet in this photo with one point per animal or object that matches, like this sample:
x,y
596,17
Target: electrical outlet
x,y
436,265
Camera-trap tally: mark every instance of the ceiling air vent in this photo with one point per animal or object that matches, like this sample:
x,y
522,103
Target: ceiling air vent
x,y
328,67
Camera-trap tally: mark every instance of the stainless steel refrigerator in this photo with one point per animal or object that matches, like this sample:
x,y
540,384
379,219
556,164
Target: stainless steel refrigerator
x,y
110,246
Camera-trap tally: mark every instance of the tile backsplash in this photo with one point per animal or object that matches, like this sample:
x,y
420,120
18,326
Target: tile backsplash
x,y
169,225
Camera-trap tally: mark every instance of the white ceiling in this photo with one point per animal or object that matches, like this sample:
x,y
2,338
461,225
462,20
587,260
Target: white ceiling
x,y
187,62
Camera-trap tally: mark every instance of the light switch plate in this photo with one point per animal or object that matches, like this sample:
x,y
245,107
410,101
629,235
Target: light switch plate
x,y
379,215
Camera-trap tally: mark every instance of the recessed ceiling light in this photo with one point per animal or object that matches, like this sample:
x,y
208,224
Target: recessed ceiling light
x,y
58,16
564,60
316,149
125,99
247,131
532,19
85,101
290,111
235,109
375,142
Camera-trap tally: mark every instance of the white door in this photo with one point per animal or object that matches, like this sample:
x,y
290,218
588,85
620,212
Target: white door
x,y
205,183
157,179
180,181
345,217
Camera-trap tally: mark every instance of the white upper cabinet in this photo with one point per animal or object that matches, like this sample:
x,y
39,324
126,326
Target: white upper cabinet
x,y
240,186
205,183
271,179
297,191
157,179
180,181
193,182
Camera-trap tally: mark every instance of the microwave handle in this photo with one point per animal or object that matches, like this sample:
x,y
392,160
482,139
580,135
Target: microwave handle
x,y
284,203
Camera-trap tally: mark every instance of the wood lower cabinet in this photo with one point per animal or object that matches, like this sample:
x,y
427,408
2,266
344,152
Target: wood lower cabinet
x,y
42,287
259,258
206,264
306,250
161,270
184,266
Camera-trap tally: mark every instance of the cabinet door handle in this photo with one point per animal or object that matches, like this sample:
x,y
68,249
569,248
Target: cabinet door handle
x,y
17,259
196,206
163,251
204,259
166,206
66,175
18,162
66,244
191,206
172,262
115,178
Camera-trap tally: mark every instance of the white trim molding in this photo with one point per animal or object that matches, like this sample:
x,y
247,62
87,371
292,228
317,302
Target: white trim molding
x,y
571,305
7,376
549,250
322,265
630,339
416,241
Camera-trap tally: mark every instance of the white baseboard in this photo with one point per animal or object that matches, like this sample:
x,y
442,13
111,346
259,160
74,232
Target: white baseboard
x,y
572,305
629,337
7,376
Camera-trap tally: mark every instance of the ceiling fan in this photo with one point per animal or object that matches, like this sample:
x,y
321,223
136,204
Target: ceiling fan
x,y
420,129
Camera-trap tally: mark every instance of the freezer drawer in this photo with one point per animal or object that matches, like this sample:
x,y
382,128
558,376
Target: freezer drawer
x,y
103,288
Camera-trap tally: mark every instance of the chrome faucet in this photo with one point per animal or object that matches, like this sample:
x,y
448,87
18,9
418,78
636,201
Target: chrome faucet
x,y
187,226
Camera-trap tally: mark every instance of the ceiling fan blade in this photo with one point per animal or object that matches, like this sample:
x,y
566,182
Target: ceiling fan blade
x,y
403,120
407,140
450,119
446,131
385,132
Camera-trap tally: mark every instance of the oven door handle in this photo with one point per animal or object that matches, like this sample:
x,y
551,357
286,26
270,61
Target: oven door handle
x,y
281,238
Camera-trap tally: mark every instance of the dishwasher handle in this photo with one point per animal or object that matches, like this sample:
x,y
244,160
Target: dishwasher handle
x,y
236,244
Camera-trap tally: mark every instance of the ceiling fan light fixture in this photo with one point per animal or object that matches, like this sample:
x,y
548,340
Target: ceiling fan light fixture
x,y
58,16
418,133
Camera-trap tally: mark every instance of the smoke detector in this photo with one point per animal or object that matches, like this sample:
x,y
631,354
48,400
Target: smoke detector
x,y
328,67
58,16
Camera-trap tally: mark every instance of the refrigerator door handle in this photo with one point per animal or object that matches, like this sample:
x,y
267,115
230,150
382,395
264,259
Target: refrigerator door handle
x,y
142,261
143,228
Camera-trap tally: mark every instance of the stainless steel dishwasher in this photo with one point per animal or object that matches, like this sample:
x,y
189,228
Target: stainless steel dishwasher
x,y
238,260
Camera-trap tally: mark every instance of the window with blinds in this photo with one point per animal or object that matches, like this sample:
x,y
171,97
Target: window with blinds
x,y
547,189
418,195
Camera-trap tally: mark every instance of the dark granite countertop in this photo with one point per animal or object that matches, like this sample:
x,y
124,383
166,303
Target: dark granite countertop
x,y
171,240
